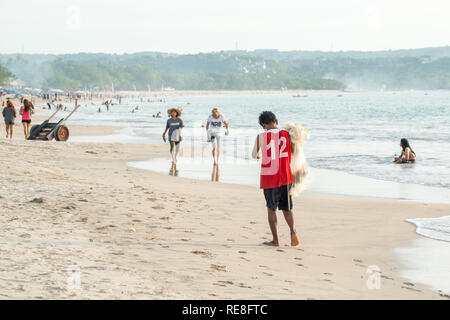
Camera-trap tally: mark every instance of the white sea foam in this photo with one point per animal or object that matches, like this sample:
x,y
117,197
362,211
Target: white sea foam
x,y
434,228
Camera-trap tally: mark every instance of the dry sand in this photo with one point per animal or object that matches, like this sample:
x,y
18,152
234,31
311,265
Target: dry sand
x,y
140,235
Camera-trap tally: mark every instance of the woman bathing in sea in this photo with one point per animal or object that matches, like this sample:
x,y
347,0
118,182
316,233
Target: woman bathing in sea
x,y
26,111
407,155
174,126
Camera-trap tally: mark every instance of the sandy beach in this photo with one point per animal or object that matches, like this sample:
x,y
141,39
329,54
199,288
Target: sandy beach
x,y
135,234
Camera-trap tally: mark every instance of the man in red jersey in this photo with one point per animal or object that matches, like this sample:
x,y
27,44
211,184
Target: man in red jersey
x,y
276,176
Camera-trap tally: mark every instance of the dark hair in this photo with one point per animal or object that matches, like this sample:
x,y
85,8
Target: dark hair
x,y
405,144
27,105
9,104
267,117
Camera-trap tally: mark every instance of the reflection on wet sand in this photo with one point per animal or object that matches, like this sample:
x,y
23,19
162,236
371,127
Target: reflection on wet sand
x,y
173,170
215,173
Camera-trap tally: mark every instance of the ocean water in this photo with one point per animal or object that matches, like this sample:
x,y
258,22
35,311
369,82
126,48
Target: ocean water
x,y
357,133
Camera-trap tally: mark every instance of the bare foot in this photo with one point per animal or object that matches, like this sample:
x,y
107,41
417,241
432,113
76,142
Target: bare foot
x,y
271,244
294,240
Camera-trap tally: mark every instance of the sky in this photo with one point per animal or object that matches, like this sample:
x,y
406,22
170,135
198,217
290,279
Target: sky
x,y
192,26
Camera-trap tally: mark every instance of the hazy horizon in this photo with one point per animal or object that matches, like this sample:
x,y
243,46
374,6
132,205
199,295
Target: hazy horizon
x,y
97,26
217,51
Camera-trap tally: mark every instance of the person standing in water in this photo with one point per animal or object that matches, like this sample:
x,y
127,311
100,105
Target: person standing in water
x,y
407,155
26,111
214,130
276,176
174,126
9,114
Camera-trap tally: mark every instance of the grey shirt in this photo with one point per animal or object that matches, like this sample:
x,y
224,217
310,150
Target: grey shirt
x,y
173,125
9,113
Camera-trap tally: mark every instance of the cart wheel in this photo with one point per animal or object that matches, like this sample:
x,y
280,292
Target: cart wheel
x,y
33,132
62,134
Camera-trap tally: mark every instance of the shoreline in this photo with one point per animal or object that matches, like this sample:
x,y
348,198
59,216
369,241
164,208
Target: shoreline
x,y
131,232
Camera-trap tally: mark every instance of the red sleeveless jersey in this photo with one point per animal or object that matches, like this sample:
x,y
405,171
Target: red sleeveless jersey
x,y
276,159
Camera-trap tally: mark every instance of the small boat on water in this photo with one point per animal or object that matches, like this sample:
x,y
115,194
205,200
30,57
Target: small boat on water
x,y
300,96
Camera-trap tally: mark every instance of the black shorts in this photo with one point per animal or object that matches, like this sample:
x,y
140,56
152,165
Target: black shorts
x,y
26,121
279,198
173,144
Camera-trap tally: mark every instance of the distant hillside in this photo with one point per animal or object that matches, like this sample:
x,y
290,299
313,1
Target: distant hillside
x,y
427,68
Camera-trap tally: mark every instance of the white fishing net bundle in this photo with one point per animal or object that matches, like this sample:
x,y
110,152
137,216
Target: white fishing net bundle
x,y
298,135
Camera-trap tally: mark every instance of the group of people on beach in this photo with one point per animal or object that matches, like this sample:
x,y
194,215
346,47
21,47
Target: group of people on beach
x,y
276,175
214,125
279,152
9,115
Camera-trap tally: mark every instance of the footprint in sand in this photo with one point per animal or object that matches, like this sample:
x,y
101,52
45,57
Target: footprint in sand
x,y
219,267
412,289
298,258
158,207
326,256
242,252
203,254
327,280
268,274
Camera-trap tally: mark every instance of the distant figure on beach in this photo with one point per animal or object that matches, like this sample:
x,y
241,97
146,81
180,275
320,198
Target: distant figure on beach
x,y
276,175
214,131
26,111
9,114
407,155
174,126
